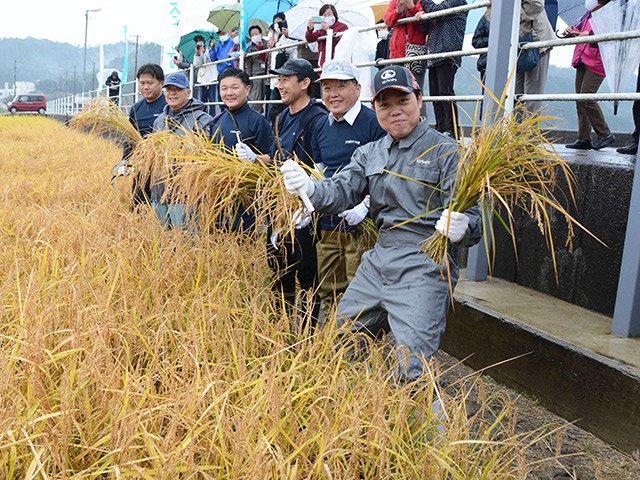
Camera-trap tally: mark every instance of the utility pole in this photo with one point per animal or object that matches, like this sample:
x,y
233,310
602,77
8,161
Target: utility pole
x,y
93,77
74,79
86,28
15,77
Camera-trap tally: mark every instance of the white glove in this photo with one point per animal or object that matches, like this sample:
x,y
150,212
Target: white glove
x,y
244,152
295,178
355,215
120,170
453,225
302,218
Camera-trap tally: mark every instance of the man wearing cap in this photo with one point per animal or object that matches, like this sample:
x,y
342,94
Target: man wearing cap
x,y
294,127
348,126
242,129
181,114
409,175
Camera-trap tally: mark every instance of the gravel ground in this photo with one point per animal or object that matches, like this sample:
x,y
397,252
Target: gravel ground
x,y
579,454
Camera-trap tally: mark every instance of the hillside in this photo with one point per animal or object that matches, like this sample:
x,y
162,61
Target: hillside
x,y
45,62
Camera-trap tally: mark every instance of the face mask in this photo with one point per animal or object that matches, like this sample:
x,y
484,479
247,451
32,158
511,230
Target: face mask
x,y
256,39
236,40
330,20
590,4
224,38
383,34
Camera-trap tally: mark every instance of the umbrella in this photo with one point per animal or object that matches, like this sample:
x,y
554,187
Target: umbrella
x,y
379,9
299,15
225,17
571,10
620,58
187,45
266,9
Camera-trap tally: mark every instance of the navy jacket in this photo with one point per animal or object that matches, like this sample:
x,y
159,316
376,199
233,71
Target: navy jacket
x,y
254,129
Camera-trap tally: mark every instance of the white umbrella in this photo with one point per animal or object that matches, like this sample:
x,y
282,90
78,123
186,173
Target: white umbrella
x,y
620,58
299,15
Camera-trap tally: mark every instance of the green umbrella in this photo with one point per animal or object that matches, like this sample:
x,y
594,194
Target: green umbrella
x,y
225,17
187,43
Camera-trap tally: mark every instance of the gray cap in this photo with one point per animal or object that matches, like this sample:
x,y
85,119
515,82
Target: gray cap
x,y
339,70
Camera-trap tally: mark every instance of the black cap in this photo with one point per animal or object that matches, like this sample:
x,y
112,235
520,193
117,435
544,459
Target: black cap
x,y
396,77
296,66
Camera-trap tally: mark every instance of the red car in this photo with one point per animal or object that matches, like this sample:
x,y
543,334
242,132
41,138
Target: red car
x,y
32,102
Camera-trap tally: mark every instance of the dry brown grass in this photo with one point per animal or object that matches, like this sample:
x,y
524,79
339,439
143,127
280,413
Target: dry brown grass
x,y
127,351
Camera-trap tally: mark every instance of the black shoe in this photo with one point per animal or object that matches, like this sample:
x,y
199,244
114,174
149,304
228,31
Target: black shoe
x,y
631,149
604,142
580,144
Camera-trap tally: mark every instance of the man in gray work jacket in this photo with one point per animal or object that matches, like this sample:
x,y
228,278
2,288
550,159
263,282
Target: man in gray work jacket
x,y
397,286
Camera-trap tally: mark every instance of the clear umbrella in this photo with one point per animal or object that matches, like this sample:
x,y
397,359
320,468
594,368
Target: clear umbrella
x,y
299,15
571,10
620,58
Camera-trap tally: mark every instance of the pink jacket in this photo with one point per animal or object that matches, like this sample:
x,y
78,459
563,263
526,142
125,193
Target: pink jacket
x,y
588,53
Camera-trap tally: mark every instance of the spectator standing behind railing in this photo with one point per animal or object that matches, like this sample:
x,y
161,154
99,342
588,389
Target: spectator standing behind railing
x,y
223,50
481,40
408,33
384,37
445,34
113,82
590,74
534,21
330,20
205,74
632,148
256,65
278,37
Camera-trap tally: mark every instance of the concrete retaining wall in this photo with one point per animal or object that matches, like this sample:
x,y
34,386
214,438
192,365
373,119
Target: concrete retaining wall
x,y
587,274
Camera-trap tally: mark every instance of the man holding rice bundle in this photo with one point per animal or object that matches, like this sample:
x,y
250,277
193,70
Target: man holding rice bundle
x,y
348,126
240,128
294,129
142,115
181,114
408,172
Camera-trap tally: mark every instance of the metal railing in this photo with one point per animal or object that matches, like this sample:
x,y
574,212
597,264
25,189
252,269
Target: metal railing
x,y
503,39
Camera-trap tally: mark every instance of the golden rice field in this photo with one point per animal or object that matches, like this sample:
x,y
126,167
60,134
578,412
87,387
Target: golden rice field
x,y
127,351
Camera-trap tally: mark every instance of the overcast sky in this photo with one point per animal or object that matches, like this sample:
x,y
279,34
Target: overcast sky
x,y
153,20
64,21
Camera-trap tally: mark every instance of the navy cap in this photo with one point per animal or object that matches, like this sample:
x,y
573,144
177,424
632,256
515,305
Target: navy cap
x,y
296,66
395,77
178,79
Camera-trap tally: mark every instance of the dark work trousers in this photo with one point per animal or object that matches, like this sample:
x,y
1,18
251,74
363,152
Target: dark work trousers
x,y
441,78
296,260
589,112
636,112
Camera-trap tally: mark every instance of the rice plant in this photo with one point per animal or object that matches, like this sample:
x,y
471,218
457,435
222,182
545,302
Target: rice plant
x,y
128,351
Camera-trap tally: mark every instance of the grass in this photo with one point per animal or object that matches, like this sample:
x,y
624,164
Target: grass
x,y
128,351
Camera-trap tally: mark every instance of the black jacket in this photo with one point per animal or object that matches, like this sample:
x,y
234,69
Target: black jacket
x,y
446,34
481,40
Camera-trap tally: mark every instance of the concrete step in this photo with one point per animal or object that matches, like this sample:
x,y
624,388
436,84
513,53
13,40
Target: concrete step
x,y
563,355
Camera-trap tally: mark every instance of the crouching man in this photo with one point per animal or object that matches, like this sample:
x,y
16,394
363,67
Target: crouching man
x,y
396,286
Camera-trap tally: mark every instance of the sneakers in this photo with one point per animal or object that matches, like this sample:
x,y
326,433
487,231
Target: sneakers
x,y
604,142
631,149
580,144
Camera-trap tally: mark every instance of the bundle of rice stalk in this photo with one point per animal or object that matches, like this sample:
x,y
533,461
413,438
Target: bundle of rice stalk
x,y
206,176
104,117
506,164
367,228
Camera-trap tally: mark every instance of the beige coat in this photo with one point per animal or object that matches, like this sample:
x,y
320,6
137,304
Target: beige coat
x,y
534,19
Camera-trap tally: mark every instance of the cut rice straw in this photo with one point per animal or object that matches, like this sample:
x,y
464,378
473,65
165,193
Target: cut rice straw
x,y
104,117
